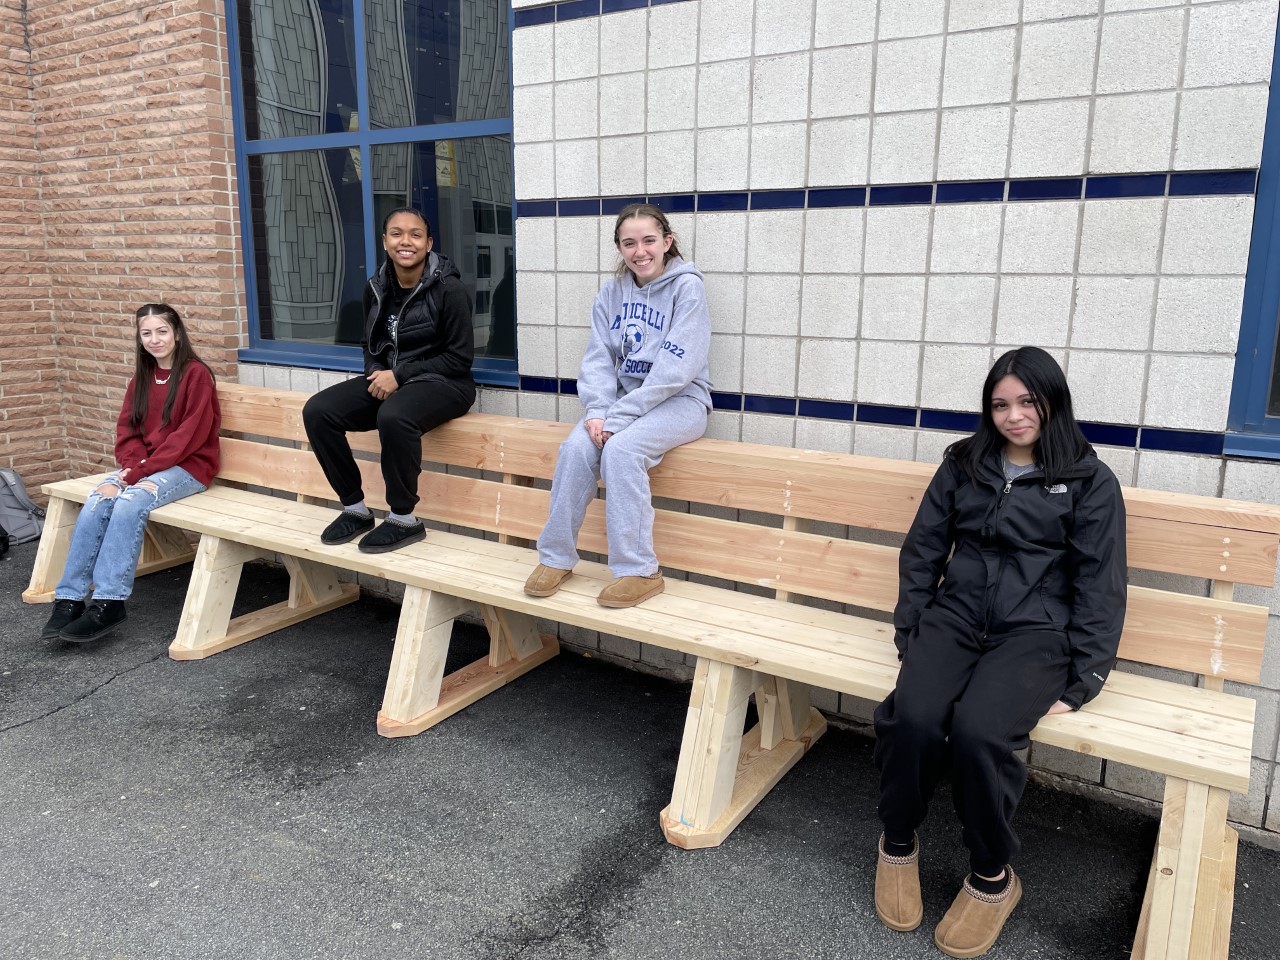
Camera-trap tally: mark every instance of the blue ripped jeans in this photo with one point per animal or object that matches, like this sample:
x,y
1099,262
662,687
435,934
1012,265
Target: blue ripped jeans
x,y
108,536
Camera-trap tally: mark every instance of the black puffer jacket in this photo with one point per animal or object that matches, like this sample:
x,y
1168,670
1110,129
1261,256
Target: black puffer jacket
x,y
433,337
1023,556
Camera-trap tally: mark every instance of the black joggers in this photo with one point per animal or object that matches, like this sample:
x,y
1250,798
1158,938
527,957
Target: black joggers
x,y
966,703
401,420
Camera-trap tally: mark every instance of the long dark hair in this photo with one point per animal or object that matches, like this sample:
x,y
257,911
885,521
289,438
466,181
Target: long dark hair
x,y
144,364
632,210
1060,446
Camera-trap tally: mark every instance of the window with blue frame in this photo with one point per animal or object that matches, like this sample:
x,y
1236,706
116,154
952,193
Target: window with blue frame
x,y
345,110
1253,421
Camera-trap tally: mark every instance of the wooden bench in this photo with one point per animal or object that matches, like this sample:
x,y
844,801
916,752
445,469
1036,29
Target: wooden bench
x,y
789,581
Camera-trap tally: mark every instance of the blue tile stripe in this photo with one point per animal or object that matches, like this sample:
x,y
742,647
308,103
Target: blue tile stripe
x,y
1105,434
1191,183
578,9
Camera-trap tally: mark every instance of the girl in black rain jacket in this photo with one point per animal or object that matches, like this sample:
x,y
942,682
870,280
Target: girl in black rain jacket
x,y
1012,585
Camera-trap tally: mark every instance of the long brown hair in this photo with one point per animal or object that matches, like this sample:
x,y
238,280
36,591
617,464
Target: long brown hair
x,y
632,210
144,365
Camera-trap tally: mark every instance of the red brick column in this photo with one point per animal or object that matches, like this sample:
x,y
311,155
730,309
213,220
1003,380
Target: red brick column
x,y
134,200
30,421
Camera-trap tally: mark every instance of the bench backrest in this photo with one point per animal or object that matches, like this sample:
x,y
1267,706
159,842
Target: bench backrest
x,y
796,523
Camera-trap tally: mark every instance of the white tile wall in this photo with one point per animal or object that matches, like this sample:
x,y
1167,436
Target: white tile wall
x,y
966,238
1140,51
726,301
1220,128
953,375
726,362
577,49
875,440
974,143
536,297
908,74
979,67
1199,314
724,29
1049,138
1113,312
911,18
622,166
897,239
535,243
1121,236
622,41
532,114
783,27
838,151
1230,43
1180,473
778,156
1057,9
829,306
667,111
1040,237
1207,235
828,368
769,366
840,22
1034,310
833,240
724,94
828,435
577,168
1057,59
1107,386
773,304
775,241
841,81
673,35
893,307
669,161
976,14
888,373
902,147
1188,392
1132,132
723,158
575,293
961,309
780,88
722,242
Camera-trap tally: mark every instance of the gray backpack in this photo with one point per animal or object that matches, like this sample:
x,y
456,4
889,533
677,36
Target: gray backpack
x,y
20,518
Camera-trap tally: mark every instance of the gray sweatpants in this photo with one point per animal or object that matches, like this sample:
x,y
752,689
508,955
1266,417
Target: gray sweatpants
x,y
624,464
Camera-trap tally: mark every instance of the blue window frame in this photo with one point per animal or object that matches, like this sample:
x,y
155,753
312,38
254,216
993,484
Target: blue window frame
x,y
1253,420
343,110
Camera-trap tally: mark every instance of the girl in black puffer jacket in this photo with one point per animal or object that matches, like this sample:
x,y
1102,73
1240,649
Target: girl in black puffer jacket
x,y
1010,606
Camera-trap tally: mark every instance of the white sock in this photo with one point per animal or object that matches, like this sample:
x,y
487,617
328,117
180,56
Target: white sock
x,y
404,519
359,509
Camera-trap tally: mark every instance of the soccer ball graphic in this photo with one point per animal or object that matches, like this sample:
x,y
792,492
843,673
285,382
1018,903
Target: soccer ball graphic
x,y
632,337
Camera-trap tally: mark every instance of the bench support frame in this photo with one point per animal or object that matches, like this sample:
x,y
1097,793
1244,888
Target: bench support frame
x,y
1186,913
206,626
418,694
722,774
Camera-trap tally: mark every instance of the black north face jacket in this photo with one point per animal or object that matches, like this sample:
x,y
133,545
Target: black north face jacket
x,y
1023,556
433,337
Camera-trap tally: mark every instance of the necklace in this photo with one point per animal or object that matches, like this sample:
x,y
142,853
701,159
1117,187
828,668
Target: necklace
x,y
161,383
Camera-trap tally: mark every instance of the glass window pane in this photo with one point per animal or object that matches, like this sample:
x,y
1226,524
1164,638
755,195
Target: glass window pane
x,y
297,63
309,258
447,180
437,61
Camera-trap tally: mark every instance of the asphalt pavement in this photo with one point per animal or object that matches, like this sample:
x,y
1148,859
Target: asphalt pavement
x,y
245,807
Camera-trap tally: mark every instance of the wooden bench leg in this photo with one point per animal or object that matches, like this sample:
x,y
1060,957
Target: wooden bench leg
x,y
723,774
163,547
418,695
206,626
51,554
1186,914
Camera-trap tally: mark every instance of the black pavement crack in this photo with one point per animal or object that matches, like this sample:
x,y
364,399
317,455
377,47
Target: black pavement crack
x,y
84,696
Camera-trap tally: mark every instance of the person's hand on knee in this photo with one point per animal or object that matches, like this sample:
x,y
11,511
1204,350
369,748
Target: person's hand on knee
x,y
382,384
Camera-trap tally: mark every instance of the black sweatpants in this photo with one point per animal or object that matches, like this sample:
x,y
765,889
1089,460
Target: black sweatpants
x,y
965,702
401,420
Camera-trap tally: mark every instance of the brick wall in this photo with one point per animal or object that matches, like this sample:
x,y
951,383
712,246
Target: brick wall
x,y
30,431
134,200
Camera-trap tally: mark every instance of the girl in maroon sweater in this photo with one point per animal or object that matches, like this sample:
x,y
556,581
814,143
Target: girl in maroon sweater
x,y
167,448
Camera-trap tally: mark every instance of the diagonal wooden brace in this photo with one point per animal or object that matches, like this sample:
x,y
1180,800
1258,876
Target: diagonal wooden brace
x,y
722,774
206,626
418,695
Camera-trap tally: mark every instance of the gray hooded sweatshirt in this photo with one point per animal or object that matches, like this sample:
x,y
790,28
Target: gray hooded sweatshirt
x,y
647,344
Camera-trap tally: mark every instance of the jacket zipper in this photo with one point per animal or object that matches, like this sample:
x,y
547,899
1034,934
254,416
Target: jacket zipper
x,y
995,526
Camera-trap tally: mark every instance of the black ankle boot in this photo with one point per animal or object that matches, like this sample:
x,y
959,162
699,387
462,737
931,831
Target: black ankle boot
x,y
64,611
100,618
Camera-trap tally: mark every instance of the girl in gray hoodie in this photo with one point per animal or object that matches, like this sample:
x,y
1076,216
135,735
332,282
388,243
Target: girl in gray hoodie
x,y
646,388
